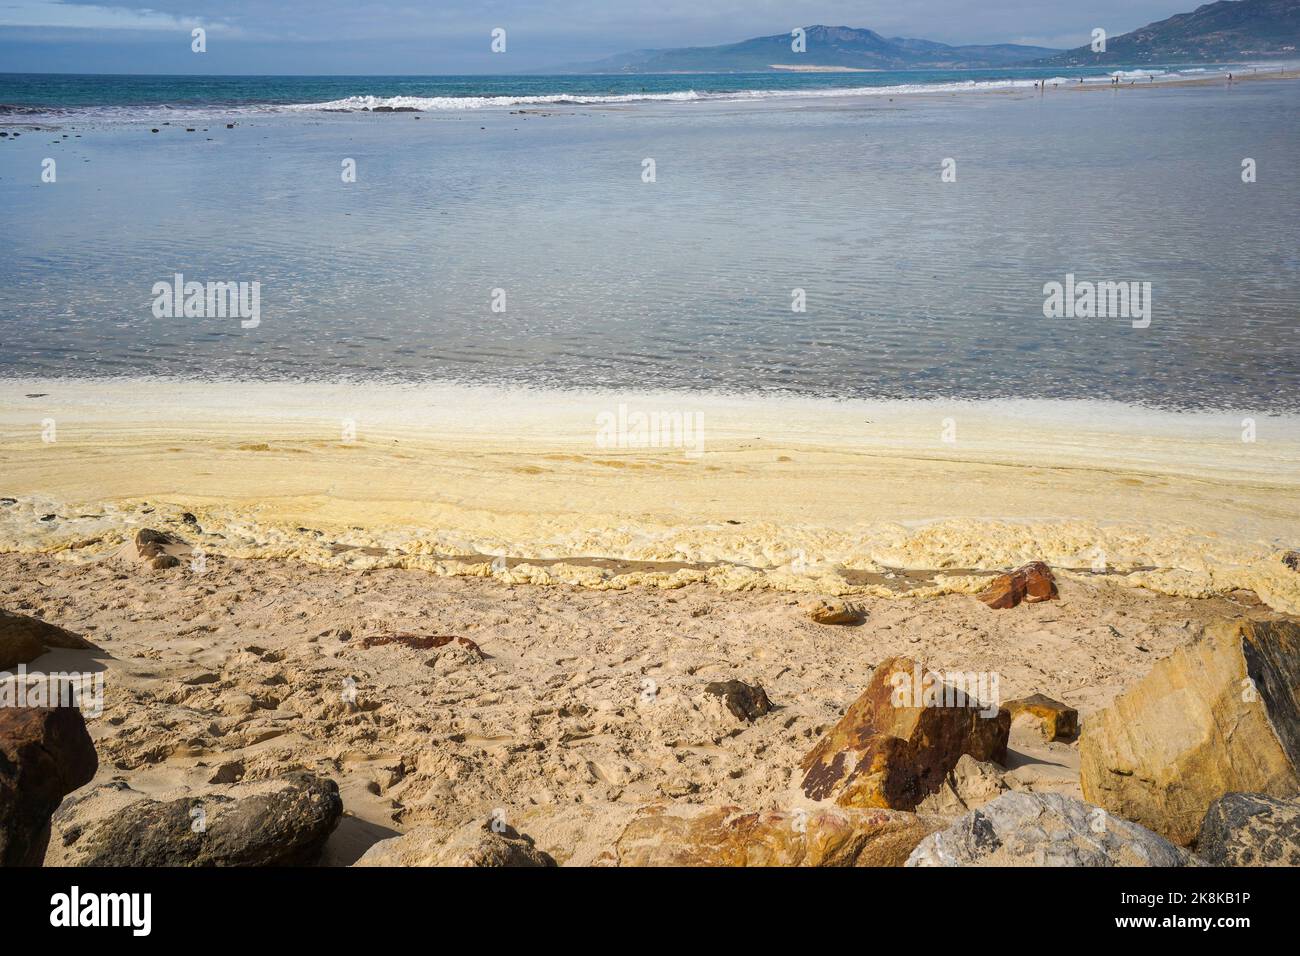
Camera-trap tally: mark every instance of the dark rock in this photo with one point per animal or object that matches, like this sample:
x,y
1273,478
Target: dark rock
x,y
745,701
1292,560
45,754
23,639
150,543
1250,829
899,740
1032,583
282,822
420,642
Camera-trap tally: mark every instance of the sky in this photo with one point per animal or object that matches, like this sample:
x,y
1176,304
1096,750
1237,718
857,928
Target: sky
x,y
454,36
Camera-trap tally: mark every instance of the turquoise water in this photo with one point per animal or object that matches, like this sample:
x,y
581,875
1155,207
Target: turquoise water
x,y
914,287
145,95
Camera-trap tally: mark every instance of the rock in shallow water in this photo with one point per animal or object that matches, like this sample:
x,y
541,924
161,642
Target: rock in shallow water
x,y
1044,829
1219,716
1250,829
45,753
900,738
281,822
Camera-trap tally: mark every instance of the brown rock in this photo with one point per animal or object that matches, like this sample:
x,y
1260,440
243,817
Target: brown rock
x,y
1054,719
421,642
729,836
745,701
836,612
23,639
1292,560
1031,584
149,544
1218,716
45,754
900,738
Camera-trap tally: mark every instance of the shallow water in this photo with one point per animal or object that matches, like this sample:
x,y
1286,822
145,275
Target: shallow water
x,y
915,287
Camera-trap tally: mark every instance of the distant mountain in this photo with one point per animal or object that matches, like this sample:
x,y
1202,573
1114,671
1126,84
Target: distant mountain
x,y
826,47
1227,30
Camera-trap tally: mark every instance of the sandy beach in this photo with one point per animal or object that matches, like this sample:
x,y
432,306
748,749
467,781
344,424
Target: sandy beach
x,y
600,588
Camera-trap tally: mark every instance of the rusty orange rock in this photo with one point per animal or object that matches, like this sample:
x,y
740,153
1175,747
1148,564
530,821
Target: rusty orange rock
x,y
897,742
1055,719
1032,583
731,836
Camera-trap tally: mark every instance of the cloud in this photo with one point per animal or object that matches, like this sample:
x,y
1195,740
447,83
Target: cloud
x,y
55,13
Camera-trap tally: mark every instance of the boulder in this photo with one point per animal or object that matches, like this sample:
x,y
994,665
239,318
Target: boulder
x,y
279,822
1044,829
1292,560
746,702
45,753
1054,720
1032,583
730,836
1250,829
1219,716
968,786
900,738
23,639
836,612
476,844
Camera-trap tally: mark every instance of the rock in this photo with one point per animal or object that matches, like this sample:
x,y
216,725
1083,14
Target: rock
x,y
1032,583
1055,720
164,561
1250,829
420,642
836,612
23,639
968,786
1218,716
232,771
149,543
745,701
1292,560
476,844
280,822
729,836
1044,829
45,753
900,738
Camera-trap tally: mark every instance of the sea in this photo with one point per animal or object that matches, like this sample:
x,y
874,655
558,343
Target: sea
x,y
848,235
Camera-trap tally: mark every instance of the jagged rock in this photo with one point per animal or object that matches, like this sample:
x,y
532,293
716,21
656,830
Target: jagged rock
x,y
968,786
1032,583
280,822
1044,829
476,844
1292,560
1250,829
23,639
745,701
729,836
1219,716
836,612
1055,720
45,753
900,738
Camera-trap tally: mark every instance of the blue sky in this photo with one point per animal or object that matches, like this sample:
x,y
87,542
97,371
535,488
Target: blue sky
x,y
453,36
